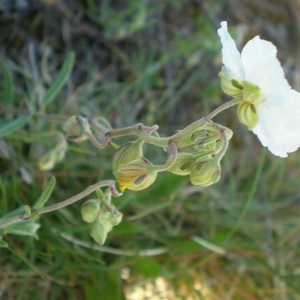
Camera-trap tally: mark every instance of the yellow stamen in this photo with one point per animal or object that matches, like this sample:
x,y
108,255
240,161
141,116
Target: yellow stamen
x,y
122,187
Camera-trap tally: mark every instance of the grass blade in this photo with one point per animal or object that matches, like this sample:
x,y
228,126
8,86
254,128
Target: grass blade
x,y
45,194
13,126
60,80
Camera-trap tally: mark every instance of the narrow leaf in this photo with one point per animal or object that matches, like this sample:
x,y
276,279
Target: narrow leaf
x,y
45,194
13,126
60,80
2,243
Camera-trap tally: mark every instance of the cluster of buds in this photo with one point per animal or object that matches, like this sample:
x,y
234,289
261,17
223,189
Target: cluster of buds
x,y
195,151
206,149
102,216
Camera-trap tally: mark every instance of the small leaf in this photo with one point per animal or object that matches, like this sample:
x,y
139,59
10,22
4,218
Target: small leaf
x,y
2,243
25,228
60,80
13,126
45,194
22,210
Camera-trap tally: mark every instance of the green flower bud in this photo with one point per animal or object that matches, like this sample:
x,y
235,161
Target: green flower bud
x,y
100,229
204,152
60,151
206,172
48,160
227,131
252,94
74,130
247,114
127,153
183,164
229,85
207,137
214,144
184,142
90,210
136,175
114,218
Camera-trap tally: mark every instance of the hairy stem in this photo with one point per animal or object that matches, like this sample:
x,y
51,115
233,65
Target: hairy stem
x,y
73,199
69,201
171,161
222,107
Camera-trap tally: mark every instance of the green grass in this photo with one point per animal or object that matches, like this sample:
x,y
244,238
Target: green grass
x,y
138,61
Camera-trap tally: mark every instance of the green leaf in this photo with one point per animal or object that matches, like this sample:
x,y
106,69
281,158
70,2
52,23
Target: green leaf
x,y
45,194
2,243
17,212
8,85
60,80
13,126
25,228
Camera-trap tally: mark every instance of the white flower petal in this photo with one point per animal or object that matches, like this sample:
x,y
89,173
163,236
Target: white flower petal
x,y
231,56
264,69
279,126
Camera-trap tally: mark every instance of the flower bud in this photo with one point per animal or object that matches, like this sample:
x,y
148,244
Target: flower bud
x,y
252,93
127,153
90,210
183,164
74,129
136,175
229,85
48,160
100,229
247,114
208,137
206,172
214,143
114,218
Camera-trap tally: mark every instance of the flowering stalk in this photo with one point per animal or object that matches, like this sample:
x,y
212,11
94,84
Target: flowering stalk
x,y
57,206
84,193
266,105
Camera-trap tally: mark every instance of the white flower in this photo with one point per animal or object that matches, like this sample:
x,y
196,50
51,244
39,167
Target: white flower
x,y
271,109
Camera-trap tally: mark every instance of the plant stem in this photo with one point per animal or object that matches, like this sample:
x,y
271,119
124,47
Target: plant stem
x,y
171,160
77,197
144,132
12,220
221,108
69,201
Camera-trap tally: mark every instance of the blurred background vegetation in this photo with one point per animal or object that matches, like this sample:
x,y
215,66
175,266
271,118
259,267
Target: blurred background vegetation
x,y
155,62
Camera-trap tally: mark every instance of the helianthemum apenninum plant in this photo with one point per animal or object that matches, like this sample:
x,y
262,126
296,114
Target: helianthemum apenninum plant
x,y
265,102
